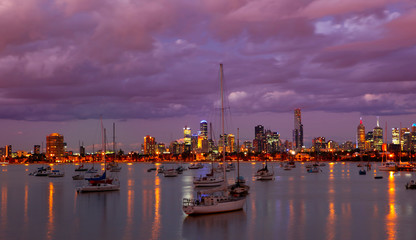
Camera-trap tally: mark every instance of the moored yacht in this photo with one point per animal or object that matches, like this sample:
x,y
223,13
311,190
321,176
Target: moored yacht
x,y
388,166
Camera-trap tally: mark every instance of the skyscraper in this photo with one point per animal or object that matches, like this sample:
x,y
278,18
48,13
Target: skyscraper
x,y
361,136
203,128
378,136
149,145
395,136
55,146
259,138
187,138
298,131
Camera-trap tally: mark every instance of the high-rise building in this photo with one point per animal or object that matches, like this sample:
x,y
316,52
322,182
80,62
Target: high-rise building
x,y
9,151
378,136
187,138
259,139
319,143
149,145
361,136
404,136
55,148
395,133
36,149
203,128
298,131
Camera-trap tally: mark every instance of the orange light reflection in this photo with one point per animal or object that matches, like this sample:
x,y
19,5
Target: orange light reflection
x,y
156,221
391,217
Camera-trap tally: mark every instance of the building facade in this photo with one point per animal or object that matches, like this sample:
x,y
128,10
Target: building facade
x,y
55,147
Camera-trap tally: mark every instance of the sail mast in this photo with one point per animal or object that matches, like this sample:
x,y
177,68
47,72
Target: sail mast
x,y
222,120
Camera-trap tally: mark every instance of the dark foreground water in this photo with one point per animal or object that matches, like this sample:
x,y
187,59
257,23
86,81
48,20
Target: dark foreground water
x,y
337,203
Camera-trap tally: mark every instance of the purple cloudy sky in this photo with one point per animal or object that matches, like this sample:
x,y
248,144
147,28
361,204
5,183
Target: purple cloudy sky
x,y
152,67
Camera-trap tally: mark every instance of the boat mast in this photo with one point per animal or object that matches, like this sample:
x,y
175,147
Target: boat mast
x,y
238,160
103,143
114,140
222,120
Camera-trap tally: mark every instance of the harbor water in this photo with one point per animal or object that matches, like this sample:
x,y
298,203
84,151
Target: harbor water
x,y
335,203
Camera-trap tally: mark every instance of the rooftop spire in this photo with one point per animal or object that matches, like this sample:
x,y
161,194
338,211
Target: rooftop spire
x,y
361,120
378,121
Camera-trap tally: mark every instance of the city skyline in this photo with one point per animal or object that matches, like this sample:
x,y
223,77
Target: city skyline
x,y
153,68
96,144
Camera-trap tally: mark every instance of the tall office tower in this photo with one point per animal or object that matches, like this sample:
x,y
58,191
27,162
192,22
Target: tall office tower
x,y
203,128
258,138
361,136
55,148
413,138
82,151
231,143
378,136
223,141
369,141
404,135
9,151
36,149
149,145
298,131
187,138
395,136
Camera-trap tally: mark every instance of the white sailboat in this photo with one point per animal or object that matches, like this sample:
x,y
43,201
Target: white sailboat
x,y
101,183
264,173
219,199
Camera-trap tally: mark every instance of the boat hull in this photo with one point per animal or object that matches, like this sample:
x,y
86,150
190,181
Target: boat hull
x,y
217,208
98,188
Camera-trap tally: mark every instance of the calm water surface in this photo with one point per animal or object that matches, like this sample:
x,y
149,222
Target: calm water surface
x,y
337,203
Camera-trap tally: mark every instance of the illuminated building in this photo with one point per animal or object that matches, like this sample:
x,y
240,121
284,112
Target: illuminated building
x,y
413,138
149,145
36,149
187,138
203,128
259,139
395,136
319,143
378,136
404,134
369,141
231,143
9,151
55,148
361,136
298,131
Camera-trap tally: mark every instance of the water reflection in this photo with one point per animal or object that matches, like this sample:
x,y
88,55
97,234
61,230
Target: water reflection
x,y
156,221
391,217
3,212
216,226
50,226
26,201
130,209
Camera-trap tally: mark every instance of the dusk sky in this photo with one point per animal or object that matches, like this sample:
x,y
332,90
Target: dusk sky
x,y
152,67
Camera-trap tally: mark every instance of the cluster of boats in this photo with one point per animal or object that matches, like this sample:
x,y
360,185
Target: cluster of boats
x,y
47,172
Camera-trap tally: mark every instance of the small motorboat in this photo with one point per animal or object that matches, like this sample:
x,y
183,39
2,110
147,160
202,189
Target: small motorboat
x,y
411,185
378,177
314,170
362,172
56,174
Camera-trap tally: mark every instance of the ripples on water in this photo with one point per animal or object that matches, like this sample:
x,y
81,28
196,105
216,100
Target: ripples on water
x,y
337,203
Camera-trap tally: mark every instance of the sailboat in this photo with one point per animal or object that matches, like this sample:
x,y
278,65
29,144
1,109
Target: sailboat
x,y
264,173
100,183
218,199
239,187
113,166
